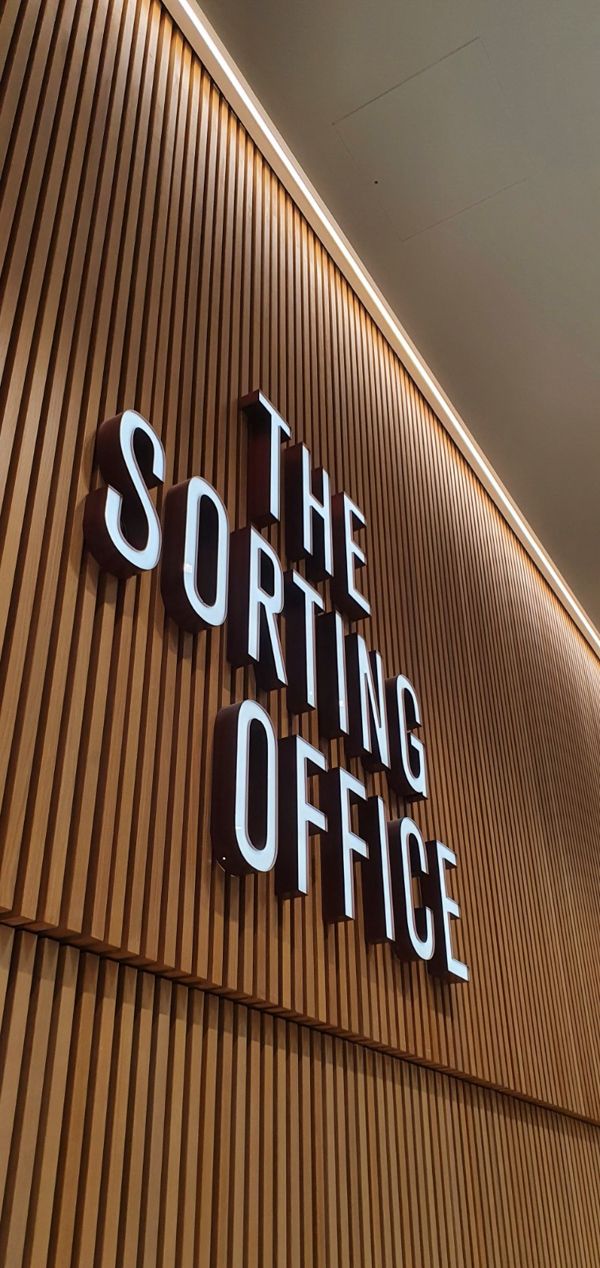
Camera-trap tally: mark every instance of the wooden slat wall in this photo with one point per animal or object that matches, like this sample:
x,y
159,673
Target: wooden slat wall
x,y
150,259
145,1122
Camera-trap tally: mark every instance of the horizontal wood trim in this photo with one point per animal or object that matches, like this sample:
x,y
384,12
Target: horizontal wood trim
x,y
143,1121
151,259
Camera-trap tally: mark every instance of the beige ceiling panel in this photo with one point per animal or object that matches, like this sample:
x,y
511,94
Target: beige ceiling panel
x,y
442,141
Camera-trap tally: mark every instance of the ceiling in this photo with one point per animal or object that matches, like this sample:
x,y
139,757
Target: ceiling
x,y
458,146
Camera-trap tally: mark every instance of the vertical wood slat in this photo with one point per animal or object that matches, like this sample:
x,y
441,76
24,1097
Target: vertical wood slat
x,y
151,259
149,1119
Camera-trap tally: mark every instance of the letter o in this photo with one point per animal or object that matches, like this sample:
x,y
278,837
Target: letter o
x,y
244,801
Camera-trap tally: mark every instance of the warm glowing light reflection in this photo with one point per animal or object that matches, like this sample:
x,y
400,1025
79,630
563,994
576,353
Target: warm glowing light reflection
x,y
448,416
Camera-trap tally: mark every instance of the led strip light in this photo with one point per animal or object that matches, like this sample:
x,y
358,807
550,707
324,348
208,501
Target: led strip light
x,y
222,68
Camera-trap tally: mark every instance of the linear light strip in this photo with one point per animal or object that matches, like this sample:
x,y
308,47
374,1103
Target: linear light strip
x,y
448,415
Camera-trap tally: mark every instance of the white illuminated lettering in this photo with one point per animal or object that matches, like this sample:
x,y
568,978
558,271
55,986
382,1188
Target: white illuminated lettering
x,y
331,676
309,531
266,433
444,963
415,927
256,595
120,522
299,818
368,734
340,789
348,556
378,903
245,790
301,600
408,766
195,562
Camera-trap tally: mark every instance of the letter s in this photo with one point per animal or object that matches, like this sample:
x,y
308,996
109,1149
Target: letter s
x,y
120,523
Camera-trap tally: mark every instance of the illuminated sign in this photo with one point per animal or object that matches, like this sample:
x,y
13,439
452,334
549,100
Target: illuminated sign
x,y
270,796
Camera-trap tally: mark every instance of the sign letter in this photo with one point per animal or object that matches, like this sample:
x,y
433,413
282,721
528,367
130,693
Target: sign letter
x,y
120,523
298,817
409,773
338,786
244,797
444,963
255,600
266,433
195,558
308,515
348,556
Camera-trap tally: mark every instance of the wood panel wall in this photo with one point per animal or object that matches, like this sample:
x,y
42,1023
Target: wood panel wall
x,y
146,1122
150,259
